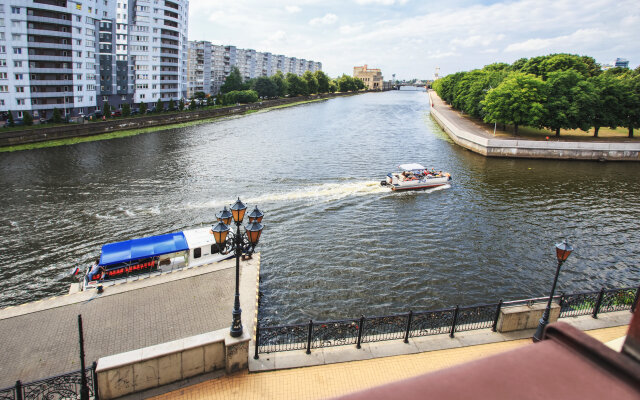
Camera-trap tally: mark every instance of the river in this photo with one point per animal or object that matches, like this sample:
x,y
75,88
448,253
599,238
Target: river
x,y
335,243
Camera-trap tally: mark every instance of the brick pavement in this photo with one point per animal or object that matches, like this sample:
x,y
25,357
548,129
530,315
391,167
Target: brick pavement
x,y
41,343
331,380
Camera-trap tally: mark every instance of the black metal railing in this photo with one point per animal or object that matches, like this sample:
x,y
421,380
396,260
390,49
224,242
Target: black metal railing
x,y
64,386
315,335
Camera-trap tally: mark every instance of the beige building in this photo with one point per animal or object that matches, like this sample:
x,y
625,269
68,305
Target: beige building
x,y
372,77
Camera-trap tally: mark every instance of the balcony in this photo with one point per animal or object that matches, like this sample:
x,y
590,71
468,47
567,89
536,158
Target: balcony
x,y
49,20
47,45
34,57
49,82
50,33
39,95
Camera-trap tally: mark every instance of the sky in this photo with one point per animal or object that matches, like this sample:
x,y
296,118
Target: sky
x,y
410,38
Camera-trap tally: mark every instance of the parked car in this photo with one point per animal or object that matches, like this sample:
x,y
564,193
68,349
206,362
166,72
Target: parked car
x,y
116,113
135,111
16,122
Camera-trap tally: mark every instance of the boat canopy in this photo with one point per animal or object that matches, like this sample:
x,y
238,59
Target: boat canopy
x,y
411,167
136,249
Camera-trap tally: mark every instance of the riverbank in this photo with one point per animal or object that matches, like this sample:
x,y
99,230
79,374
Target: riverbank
x,y
122,127
468,135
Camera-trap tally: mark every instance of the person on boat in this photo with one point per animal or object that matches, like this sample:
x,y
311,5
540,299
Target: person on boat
x,y
94,269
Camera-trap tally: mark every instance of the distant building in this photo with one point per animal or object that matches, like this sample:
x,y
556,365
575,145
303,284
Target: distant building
x,y
621,62
210,64
372,78
618,63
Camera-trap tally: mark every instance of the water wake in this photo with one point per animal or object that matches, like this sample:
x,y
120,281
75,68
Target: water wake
x,y
326,192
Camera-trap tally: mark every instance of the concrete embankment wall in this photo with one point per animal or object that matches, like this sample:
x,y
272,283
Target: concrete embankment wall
x,y
13,138
564,150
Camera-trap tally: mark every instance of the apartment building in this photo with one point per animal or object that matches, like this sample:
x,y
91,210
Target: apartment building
x,y
77,55
251,64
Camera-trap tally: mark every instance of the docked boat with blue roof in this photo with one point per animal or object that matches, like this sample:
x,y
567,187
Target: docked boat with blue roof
x,y
415,177
154,255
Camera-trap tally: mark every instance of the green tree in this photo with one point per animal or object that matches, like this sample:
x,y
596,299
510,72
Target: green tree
x,y
333,86
27,118
200,95
210,100
606,105
518,100
143,108
323,81
181,105
311,81
106,110
240,96
159,105
172,105
296,86
57,116
192,104
562,106
631,102
232,82
10,119
265,87
281,83
359,83
346,83
126,110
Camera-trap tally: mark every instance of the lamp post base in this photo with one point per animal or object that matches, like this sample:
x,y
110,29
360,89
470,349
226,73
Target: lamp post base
x,y
538,335
236,325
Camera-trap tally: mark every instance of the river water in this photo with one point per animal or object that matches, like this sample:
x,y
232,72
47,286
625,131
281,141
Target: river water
x,y
336,244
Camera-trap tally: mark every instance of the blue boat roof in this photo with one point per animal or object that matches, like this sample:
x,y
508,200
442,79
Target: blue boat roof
x,y
135,249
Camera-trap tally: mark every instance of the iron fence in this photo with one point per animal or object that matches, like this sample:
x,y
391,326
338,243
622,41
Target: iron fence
x,y
315,335
59,387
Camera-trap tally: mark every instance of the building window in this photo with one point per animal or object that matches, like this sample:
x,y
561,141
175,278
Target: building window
x,y
15,10
20,114
3,75
17,50
20,102
19,89
4,88
3,63
17,64
197,253
18,77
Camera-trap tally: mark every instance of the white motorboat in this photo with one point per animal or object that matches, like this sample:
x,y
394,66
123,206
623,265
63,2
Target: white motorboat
x,y
415,177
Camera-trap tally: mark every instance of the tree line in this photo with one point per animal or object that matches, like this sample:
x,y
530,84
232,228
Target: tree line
x,y
236,90
556,91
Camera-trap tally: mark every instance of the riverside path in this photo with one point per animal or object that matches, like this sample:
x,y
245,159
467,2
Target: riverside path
x,y
40,339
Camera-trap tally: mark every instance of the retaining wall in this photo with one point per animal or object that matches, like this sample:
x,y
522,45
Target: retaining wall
x,y
13,138
601,151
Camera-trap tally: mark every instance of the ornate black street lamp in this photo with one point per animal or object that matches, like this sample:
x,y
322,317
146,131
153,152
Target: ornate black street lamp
x,y
239,243
562,253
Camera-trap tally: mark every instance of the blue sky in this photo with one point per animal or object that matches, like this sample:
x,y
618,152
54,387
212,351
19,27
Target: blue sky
x,y
412,37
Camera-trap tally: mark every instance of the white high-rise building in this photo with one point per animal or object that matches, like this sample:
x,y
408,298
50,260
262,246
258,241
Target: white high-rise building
x,y
77,55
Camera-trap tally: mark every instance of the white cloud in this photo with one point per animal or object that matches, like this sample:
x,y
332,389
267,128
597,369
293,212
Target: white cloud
x,y
328,19
381,2
445,34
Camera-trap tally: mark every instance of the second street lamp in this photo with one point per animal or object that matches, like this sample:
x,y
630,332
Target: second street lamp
x,y
563,250
239,243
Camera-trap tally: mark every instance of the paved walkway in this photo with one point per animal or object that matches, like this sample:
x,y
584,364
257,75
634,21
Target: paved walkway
x,y
459,121
338,379
40,339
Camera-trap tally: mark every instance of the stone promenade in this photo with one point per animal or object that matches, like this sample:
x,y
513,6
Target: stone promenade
x,y
475,137
41,339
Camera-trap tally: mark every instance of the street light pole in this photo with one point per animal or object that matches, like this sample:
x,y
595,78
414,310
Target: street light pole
x,y
562,253
239,243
